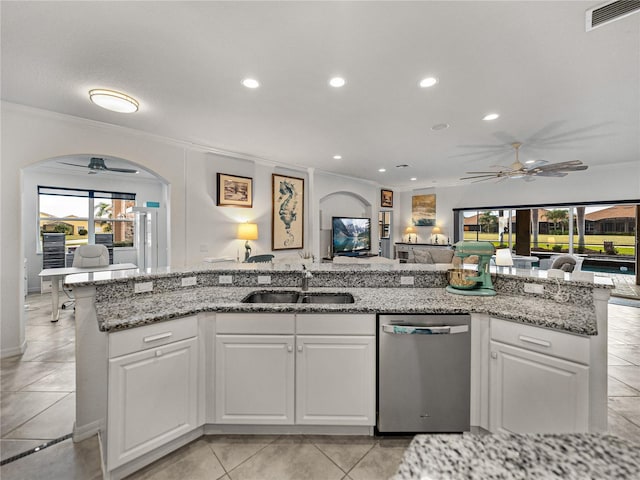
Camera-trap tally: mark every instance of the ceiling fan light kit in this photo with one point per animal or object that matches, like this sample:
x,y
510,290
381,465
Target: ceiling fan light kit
x,y
537,168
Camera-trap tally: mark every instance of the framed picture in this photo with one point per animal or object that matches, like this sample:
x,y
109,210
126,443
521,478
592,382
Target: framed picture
x,y
386,198
234,191
423,210
287,216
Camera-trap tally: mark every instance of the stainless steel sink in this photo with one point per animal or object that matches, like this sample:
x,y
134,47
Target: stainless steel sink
x,y
322,297
271,297
264,296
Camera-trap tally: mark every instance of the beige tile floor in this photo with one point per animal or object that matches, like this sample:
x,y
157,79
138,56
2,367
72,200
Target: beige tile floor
x,y
37,404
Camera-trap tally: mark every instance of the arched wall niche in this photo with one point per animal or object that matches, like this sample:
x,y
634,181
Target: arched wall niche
x,y
70,171
342,204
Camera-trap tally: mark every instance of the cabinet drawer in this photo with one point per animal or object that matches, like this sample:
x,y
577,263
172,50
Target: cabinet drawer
x,y
335,324
550,342
151,336
256,323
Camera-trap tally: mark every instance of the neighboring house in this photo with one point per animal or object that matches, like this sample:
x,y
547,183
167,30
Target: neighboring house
x,y
612,220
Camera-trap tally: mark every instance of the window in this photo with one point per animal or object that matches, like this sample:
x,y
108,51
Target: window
x,y
80,214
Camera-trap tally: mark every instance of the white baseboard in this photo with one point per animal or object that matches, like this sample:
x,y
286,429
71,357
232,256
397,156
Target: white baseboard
x,y
13,351
85,431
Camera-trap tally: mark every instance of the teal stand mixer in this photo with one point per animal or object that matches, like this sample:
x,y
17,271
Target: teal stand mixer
x,y
469,282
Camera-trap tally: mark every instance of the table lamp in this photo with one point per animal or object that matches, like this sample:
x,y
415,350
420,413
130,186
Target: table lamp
x,y
435,231
247,231
409,230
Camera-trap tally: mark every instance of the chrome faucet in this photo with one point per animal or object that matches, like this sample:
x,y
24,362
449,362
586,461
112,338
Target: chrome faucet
x,y
306,275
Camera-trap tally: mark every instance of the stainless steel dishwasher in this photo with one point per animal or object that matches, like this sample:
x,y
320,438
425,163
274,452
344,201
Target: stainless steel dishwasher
x,y
424,373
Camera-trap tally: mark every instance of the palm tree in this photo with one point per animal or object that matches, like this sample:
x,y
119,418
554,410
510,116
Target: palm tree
x,y
488,220
557,217
580,220
99,212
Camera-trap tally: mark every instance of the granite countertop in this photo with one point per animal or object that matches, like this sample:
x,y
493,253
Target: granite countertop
x,y
510,456
150,308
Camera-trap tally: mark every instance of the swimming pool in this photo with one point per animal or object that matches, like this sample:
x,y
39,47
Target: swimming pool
x,y
630,270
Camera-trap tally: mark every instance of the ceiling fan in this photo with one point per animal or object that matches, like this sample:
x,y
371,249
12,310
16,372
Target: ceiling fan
x,y
97,165
538,168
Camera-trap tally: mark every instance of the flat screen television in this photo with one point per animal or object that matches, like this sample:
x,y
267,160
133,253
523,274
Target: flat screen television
x,y
350,235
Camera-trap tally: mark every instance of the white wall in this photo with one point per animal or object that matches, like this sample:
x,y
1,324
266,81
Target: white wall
x,y
197,227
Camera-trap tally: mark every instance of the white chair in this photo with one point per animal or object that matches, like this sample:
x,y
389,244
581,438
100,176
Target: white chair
x,y
91,256
88,256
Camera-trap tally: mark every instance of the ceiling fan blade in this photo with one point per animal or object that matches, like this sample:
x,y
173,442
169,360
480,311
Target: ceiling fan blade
x,y
536,164
481,176
73,164
484,173
485,179
550,174
121,170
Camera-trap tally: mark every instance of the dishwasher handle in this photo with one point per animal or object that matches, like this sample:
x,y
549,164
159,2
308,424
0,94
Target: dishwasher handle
x,y
423,330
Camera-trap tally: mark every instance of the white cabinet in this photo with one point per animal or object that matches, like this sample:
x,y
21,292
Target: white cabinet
x,y
535,392
254,379
262,366
335,380
153,393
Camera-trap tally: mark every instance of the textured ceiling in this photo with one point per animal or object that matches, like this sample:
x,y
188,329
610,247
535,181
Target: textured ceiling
x,y
565,93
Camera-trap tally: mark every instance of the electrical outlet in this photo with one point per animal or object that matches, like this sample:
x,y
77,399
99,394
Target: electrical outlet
x,y
264,279
225,279
189,281
142,287
406,280
533,288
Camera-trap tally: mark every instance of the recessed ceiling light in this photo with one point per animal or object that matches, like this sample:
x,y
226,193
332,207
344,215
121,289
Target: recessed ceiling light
x,y
529,162
114,101
382,169
428,82
413,179
402,165
337,82
250,83
490,116
337,157
440,126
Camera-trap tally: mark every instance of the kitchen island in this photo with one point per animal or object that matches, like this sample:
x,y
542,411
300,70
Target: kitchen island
x,y
188,330
526,457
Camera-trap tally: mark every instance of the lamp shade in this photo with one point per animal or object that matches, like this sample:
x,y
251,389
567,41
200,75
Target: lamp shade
x,y
503,257
436,230
248,231
410,229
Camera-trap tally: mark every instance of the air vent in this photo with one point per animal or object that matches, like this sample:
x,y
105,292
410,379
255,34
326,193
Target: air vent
x,y
610,12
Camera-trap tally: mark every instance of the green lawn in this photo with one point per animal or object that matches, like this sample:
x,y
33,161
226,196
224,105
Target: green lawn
x,y
624,244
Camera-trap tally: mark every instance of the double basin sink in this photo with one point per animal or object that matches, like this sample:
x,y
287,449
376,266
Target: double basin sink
x,y
264,296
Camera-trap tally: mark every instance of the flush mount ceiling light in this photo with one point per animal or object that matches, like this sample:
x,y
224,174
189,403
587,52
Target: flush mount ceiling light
x,y
490,116
114,101
428,82
337,157
337,82
250,83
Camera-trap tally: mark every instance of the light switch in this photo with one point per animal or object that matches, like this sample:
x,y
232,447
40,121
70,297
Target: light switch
x,y
406,280
189,281
264,279
225,279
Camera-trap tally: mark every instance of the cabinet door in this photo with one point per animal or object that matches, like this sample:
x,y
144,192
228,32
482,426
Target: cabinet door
x,y
153,398
335,380
535,393
254,379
